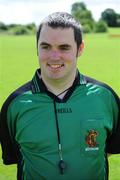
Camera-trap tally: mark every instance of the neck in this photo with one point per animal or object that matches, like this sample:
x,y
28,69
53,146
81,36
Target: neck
x,y
57,86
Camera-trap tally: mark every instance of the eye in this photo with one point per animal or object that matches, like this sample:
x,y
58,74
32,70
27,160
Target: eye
x,y
47,47
65,47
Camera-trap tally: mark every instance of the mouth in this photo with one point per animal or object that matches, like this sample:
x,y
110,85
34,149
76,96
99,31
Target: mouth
x,y
55,66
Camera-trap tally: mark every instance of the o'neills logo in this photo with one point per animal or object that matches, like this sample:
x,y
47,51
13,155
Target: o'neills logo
x,y
64,110
91,140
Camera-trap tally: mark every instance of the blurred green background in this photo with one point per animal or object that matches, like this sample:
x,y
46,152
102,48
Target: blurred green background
x,y
18,61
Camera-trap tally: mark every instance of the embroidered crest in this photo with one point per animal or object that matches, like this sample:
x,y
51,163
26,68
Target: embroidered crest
x,y
91,138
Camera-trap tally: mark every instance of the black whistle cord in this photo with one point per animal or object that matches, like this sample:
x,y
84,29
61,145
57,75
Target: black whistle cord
x,y
61,164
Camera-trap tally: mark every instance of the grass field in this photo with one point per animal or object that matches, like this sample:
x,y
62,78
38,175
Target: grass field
x,y
18,61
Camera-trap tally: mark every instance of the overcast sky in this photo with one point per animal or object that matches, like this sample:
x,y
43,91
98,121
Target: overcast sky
x,y
27,11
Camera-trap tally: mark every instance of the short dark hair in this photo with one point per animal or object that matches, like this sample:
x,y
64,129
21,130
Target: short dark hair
x,y
62,20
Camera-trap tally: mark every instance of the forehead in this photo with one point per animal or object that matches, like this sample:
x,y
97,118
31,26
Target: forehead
x,y
60,35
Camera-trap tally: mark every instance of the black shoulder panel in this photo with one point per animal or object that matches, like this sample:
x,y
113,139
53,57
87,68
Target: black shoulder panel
x,y
91,80
9,150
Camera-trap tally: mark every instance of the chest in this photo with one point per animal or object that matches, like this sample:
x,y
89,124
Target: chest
x,y
82,122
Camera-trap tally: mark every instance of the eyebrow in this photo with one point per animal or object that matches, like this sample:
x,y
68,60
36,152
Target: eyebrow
x,y
65,46
44,44
60,46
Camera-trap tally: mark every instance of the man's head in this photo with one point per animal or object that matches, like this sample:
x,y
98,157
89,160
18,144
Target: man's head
x,y
59,43
62,20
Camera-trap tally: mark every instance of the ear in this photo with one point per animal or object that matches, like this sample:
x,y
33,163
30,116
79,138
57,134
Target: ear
x,y
80,50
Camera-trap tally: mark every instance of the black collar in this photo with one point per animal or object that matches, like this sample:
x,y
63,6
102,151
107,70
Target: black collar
x,y
38,86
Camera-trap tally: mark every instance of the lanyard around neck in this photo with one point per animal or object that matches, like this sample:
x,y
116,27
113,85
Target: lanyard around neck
x,y
61,164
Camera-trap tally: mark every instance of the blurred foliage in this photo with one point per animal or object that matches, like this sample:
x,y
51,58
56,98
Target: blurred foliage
x,y
17,29
101,26
111,17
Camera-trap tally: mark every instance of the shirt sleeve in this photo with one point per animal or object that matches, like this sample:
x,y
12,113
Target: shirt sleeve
x,y
113,140
9,148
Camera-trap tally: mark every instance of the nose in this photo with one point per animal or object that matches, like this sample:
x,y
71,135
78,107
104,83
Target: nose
x,y
55,54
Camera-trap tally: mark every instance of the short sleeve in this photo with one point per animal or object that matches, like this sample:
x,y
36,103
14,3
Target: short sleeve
x,y
9,148
113,140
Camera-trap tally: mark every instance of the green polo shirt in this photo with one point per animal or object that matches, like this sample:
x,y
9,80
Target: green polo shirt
x,y
88,120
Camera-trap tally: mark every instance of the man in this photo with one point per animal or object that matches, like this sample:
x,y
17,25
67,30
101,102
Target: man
x,y
62,124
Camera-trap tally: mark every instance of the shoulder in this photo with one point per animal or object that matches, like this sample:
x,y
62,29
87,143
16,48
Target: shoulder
x,y
103,88
17,93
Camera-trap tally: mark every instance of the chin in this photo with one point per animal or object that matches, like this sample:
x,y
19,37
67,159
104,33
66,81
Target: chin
x,y
55,77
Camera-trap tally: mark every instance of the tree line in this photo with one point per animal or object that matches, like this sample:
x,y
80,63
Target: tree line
x,y
109,18
17,29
